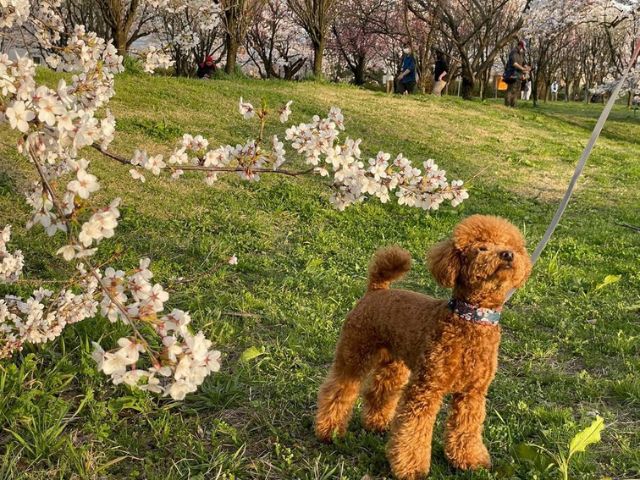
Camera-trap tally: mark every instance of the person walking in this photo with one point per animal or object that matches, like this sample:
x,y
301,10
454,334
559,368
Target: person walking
x,y
407,77
440,74
513,73
387,80
526,87
554,91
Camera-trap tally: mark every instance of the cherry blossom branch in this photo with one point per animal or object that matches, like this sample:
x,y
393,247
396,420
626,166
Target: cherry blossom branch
x,y
92,270
202,168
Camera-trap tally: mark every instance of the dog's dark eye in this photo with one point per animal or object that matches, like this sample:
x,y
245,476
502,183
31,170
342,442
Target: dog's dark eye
x,y
483,249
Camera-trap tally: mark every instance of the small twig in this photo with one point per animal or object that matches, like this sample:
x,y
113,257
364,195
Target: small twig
x,y
37,281
632,227
52,194
123,312
480,172
242,314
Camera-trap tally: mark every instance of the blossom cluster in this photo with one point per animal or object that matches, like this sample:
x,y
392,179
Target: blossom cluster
x,y
179,362
42,317
155,58
55,125
610,82
353,178
13,12
318,143
11,263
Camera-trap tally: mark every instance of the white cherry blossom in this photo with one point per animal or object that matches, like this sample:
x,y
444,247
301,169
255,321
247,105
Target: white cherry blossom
x,y
19,116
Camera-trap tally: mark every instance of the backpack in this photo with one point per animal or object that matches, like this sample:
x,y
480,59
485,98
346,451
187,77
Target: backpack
x,y
511,75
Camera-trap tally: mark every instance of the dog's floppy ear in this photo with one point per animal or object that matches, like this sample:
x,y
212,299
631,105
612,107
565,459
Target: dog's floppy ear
x,y
444,263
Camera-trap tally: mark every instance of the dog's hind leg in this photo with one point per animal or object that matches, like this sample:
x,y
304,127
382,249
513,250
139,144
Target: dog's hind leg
x,y
338,393
383,392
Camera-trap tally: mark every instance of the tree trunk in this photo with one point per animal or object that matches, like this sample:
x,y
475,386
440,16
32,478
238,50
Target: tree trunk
x,y
120,41
318,54
468,83
359,72
535,84
232,54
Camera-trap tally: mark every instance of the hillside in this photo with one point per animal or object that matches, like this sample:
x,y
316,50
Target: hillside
x,y
570,349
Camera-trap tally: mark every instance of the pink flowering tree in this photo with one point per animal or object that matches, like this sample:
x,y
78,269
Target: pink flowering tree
x,y
358,33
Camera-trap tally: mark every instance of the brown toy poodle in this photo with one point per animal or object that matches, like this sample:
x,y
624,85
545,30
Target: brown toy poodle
x,y
415,349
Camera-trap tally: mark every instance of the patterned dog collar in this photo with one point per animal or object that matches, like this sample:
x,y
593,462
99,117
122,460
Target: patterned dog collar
x,y
466,311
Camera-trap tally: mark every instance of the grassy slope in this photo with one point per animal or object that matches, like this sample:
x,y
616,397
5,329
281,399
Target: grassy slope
x,y
569,350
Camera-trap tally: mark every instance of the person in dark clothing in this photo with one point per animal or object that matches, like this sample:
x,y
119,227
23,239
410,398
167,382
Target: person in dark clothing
x,y
440,74
207,68
407,77
513,73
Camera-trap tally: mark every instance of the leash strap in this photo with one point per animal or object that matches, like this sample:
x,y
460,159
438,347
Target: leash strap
x,y
583,160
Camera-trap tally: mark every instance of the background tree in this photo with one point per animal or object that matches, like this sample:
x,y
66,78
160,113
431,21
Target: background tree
x,y
127,21
237,18
276,44
357,33
316,17
191,31
479,30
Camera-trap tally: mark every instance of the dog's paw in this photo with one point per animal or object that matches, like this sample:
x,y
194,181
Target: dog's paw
x,y
326,431
376,422
409,474
409,463
469,457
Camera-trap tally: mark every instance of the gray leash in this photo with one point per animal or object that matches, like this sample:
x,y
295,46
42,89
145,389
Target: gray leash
x,y
583,160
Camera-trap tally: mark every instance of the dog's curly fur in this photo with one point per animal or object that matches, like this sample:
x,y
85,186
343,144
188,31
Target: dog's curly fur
x,y
414,350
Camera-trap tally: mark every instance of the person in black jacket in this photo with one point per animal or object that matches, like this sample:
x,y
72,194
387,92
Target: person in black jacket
x,y
207,68
440,74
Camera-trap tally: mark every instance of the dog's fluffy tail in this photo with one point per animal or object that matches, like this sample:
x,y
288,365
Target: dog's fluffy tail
x,y
388,264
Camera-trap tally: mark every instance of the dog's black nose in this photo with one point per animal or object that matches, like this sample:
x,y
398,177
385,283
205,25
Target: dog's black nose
x,y
506,255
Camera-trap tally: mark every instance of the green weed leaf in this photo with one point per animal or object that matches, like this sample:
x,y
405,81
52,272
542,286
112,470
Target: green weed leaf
x,y
534,455
608,280
251,353
586,437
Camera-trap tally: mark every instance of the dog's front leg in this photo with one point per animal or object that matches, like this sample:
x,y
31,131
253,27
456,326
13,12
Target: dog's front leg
x,y
463,438
409,449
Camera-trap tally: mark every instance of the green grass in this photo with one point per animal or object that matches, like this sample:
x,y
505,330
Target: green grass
x,y
568,352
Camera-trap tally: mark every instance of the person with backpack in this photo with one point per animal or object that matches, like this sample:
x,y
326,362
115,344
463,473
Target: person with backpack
x,y
407,77
513,73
